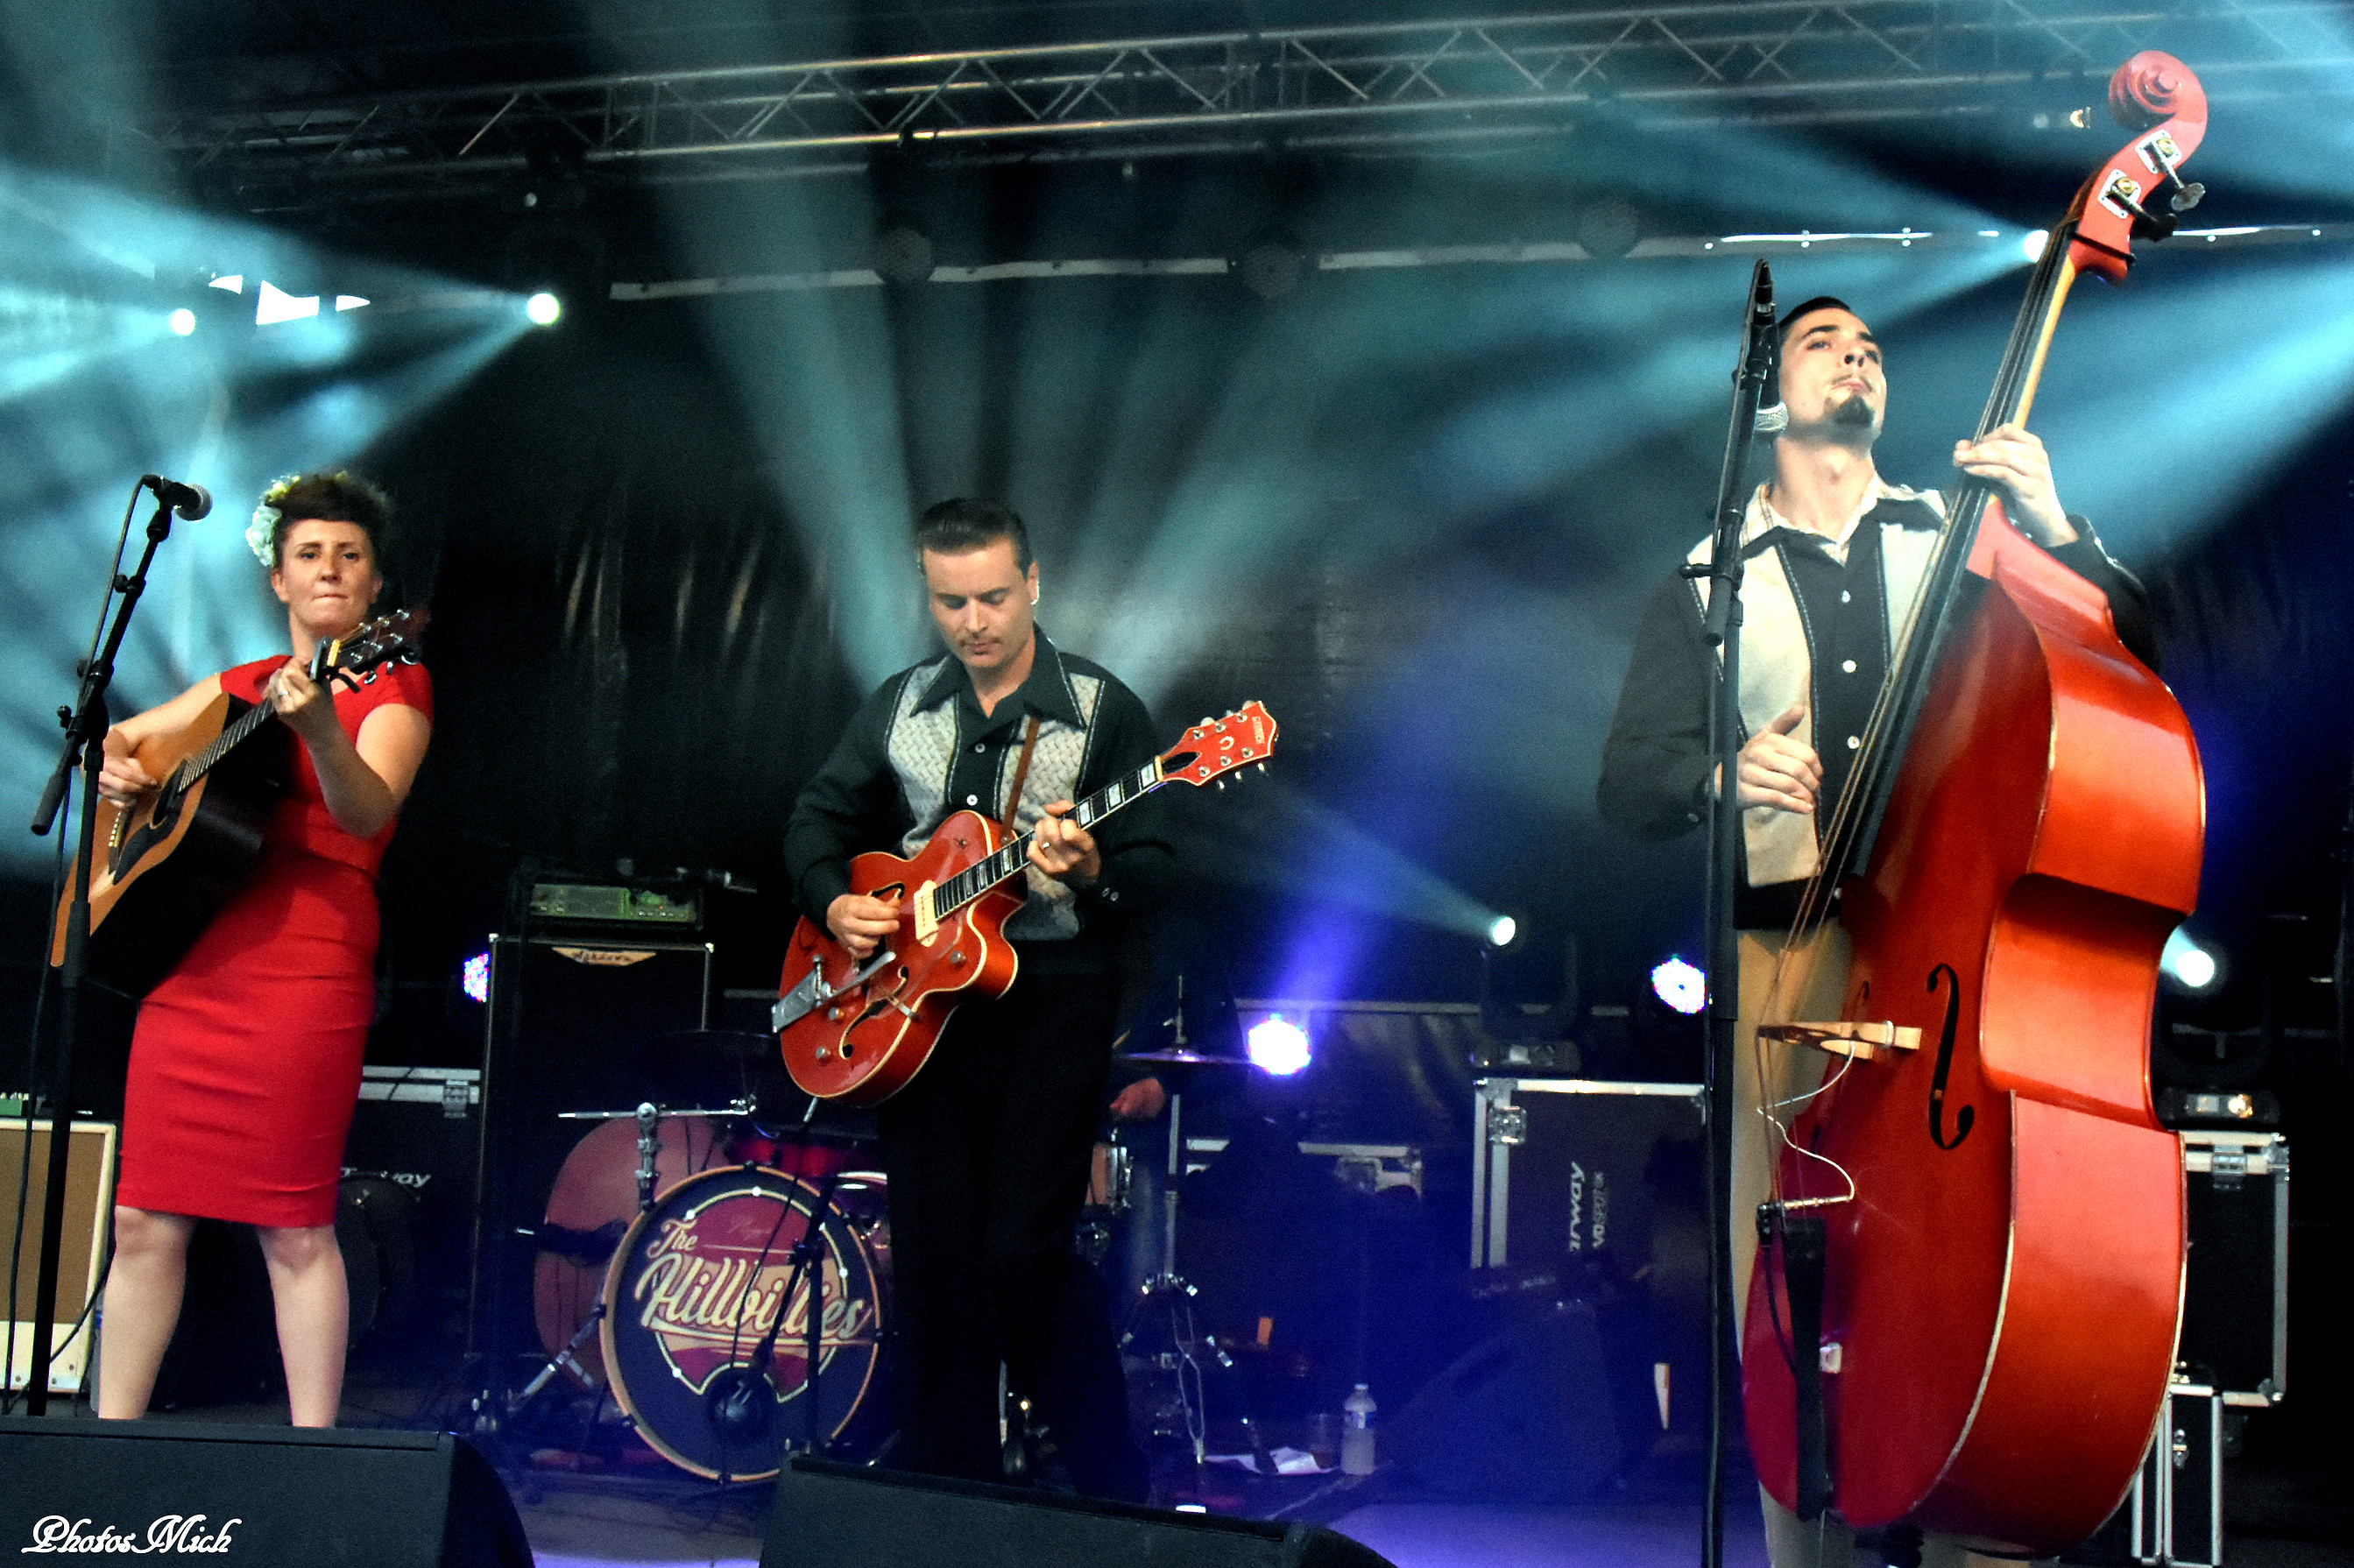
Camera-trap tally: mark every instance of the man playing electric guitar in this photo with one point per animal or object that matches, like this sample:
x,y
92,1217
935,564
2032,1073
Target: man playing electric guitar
x,y
987,1148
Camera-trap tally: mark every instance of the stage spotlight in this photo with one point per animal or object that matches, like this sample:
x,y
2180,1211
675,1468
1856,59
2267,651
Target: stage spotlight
x,y
272,304
903,255
475,978
2033,244
1278,1046
1608,229
1271,269
349,301
234,283
1680,985
1500,931
2193,967
543,309
183,322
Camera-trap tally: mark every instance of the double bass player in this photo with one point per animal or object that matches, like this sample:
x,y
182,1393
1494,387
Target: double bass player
x,y
1834,553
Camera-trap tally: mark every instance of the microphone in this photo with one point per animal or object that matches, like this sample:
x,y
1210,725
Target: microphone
x,y
188,501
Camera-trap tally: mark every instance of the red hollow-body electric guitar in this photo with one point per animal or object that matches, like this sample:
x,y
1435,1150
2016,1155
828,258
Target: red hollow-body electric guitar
x,y
856,1033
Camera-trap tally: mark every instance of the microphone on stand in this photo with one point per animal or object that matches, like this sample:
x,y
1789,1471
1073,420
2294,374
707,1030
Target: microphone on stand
x,y
187,501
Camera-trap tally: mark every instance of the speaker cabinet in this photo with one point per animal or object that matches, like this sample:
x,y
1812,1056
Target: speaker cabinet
x,y
90,1201
576,1023
826,1512
270,1495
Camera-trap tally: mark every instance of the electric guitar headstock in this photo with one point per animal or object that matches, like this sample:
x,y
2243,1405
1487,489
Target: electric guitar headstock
x,y
1215,747
358,659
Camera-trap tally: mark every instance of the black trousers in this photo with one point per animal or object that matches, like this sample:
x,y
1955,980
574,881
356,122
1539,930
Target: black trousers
x,y
988,1153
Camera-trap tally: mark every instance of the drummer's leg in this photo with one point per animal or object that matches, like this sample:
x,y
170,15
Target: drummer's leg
x,y
946,1356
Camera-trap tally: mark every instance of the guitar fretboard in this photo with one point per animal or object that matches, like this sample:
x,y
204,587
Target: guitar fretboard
x,y
226,741
981,877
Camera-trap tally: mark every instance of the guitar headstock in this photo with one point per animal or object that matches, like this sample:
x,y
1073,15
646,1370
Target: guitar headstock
x,y
1215,748
392,639
2140,194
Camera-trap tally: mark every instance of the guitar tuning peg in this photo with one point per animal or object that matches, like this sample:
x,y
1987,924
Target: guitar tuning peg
x,y
1262,767
1221,784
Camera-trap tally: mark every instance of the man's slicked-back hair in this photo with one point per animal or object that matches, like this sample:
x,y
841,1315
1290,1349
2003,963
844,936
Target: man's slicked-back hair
x,y
961,525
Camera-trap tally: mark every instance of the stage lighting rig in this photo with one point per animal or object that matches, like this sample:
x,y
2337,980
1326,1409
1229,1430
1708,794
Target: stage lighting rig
x,y
543,309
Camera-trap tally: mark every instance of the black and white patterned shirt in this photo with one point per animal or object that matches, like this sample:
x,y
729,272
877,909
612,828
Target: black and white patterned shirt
x,y
1821,622
921,749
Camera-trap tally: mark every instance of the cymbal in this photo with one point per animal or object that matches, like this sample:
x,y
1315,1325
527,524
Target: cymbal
x,y
1176,1058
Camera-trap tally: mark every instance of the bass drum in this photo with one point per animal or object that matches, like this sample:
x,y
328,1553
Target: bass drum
x,y
697,1285
589,1212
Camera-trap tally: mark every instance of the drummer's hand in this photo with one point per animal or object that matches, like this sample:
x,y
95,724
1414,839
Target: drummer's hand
x,y
1142,1100
1061,848
2011,458
858,922
121,778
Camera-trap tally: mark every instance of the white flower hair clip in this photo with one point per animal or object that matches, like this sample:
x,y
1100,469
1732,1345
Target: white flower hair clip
x,y
262,534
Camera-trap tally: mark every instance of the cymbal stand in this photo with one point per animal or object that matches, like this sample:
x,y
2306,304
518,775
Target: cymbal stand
x,y
567,1359
1168,1299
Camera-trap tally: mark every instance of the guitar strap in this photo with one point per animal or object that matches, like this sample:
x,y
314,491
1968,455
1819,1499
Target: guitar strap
x,y
1021,776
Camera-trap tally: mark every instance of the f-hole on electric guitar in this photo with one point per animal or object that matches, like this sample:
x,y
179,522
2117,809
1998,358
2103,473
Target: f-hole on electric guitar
x,y
856,1033
167,864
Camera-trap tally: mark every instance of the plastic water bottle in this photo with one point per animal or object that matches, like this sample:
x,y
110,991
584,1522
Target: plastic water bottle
x,y
1357,1432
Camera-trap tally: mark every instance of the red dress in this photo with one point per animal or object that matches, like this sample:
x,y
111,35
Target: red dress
x,y
246,1061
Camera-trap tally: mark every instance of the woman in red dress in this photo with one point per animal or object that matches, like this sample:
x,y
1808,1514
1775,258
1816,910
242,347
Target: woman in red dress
x,y
246,1061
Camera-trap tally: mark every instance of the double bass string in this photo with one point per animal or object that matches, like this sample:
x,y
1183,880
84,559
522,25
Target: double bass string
x,y
2011,395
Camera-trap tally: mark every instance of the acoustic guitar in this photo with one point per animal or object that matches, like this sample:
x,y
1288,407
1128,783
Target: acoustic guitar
x,y
170,862
855,1033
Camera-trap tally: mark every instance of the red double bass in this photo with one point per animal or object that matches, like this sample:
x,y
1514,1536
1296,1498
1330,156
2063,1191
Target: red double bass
x,y
2002,1239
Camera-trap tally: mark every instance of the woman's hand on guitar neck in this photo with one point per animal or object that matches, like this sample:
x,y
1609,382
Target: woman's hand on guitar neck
x,y
859,921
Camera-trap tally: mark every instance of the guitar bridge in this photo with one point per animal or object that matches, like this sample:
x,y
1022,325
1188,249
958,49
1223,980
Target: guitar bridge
x,y
1862,1041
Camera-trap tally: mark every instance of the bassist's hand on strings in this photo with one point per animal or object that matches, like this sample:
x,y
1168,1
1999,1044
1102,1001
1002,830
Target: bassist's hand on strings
x,y
860,921
1062,849
1779,771
2011,459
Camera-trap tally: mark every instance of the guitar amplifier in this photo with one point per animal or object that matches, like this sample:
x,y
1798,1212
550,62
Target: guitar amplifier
x,y
575,1023
90,1202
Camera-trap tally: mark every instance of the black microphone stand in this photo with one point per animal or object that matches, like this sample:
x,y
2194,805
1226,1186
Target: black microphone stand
x,y
85,724
1721,628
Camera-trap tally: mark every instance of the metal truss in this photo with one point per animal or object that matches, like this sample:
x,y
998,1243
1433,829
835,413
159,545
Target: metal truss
x,y
1371,87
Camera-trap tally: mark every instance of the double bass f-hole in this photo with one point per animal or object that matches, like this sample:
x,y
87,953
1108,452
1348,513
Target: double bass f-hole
x,y
1966,1114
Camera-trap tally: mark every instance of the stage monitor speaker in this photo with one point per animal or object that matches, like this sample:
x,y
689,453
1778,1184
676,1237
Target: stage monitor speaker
x,y
826,1512
1525,1417
90,1202
274,1495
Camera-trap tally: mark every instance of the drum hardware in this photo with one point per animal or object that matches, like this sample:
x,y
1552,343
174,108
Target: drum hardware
x,y
1166,1300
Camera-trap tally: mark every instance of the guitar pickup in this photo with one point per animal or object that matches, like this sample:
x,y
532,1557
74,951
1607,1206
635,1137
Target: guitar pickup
x,y
1862,1041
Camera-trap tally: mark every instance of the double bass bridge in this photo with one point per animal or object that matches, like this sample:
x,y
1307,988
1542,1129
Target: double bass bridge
x,y
1860,1040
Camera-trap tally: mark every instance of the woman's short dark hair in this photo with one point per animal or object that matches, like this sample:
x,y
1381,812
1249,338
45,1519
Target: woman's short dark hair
x,y
336,497
961,527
